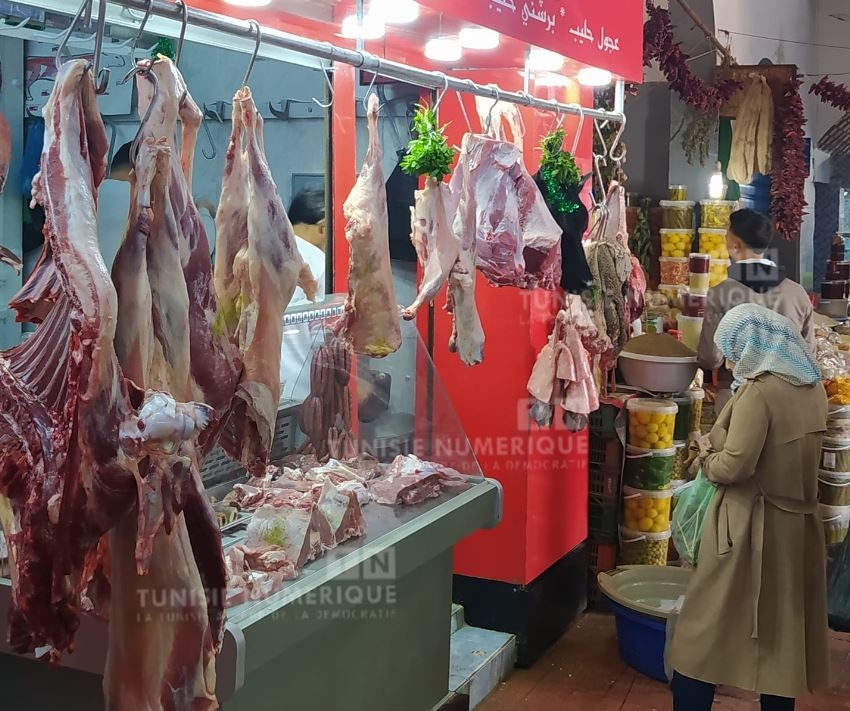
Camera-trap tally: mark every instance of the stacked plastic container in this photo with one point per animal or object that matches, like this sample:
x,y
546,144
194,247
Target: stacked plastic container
x,y
714,223
677,237
648,472
834,476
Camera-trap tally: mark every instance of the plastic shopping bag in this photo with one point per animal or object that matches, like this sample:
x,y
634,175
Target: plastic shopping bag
x,y
669,634
689,517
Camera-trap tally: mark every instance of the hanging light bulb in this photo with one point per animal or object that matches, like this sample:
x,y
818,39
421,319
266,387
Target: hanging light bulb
x,y
370,29
479,38
443,49
716,184
542,60
591,76
394,12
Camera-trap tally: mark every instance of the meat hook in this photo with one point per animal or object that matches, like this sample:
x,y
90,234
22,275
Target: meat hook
x,y
622,154
63,44
489,122
372,83
184,8
442,94
12,28
578,130
209,140
144,70
256,26
326,72
101,73
135,41
215,110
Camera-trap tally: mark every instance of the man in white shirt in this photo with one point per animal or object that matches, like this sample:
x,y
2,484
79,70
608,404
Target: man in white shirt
x,y
307,215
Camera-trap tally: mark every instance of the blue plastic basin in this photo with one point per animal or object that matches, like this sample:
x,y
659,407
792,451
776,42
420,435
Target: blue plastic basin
x,y
641,640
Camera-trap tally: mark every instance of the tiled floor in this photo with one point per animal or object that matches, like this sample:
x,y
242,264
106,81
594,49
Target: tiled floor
x,y
584,673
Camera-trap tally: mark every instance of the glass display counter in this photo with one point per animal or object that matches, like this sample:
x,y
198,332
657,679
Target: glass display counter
x,y
365,626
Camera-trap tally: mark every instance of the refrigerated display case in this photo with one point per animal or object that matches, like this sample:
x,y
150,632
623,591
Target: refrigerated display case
x,y
372,616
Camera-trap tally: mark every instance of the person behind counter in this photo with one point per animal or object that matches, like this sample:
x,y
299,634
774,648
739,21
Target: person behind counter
x,y
753,279
307,215
755,611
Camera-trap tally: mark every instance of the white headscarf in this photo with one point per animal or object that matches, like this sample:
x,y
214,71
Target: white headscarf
x,y
758,340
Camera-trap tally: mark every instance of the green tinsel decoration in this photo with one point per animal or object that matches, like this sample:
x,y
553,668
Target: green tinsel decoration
x,y
559,172
555,193
164,47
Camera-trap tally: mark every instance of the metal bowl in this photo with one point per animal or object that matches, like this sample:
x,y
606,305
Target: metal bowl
x,y
834,308
657,374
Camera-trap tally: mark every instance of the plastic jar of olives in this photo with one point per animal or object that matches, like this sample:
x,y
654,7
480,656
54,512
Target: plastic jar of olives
x,y
680,460
646,511
651,423
650,469
637,548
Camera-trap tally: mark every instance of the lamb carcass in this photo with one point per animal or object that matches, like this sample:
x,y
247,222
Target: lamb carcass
x,y
5,150
211,360
134,339
371,311
437,245
231,228
517,241
274,269
467,339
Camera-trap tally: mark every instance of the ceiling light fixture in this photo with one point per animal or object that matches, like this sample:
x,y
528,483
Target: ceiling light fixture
x,y
550,79
248,3
591,76
542,60
479,38
443,49
394,12
370,29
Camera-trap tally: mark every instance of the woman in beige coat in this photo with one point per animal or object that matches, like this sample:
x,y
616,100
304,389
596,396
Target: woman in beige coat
x,y
755,613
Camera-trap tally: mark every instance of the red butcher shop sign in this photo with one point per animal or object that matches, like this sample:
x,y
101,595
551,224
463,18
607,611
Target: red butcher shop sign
x,y
599,34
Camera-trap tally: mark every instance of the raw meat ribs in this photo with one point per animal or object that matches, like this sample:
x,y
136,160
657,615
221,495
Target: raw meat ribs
x,y
81,447
107,410
371,311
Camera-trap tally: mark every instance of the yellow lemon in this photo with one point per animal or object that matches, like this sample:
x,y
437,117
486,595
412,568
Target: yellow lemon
x,y
645,525
651,513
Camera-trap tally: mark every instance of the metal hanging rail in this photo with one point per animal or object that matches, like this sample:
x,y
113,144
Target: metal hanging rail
x,y
366,61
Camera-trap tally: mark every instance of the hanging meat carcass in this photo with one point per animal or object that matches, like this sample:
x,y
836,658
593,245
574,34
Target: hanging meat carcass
x,y
61,395
266,269
467,339
517,241
5,150
203,349
371,311
78,442
437,245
